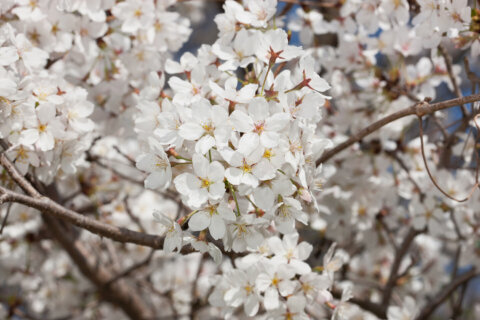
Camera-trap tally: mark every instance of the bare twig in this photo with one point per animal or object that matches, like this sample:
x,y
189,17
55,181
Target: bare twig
x,y
132,268
399,255
445,293
434,181
456,88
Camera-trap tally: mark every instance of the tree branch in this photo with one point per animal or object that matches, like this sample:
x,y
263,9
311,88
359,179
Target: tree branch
x,y
52,208
418,109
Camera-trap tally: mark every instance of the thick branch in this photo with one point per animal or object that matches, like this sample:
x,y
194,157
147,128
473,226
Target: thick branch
x,y
419,109
51,208
118,293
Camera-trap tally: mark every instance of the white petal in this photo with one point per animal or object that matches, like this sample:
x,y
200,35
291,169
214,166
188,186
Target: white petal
x,y
248,142
271,298
200,165
217,227
241,121
191,131
234,175
199,221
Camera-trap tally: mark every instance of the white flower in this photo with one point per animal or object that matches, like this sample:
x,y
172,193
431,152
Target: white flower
x,y
208,124
288,211
243,291
275,278
287,251
259,126
173,235
135,14
215,216
206,183
237,54
158,165
44,130
246,170
272,47
230,93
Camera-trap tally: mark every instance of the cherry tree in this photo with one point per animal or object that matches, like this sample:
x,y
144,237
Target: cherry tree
x,y
316,160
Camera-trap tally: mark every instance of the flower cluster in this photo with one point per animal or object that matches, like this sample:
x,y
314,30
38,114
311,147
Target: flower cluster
x,y
106,112
241,152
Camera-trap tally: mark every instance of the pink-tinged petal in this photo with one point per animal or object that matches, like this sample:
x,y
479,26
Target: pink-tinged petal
x,y
199,221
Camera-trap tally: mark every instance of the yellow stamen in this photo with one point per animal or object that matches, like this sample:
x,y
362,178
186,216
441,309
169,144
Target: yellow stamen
x,y
206,183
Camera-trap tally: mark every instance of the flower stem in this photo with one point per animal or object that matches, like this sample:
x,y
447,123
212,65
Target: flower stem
x,y
266,75
232,191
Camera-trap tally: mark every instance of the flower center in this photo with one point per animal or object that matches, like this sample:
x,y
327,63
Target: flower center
x,y
205,183
268,153
246,167
161,163
138,13
259,127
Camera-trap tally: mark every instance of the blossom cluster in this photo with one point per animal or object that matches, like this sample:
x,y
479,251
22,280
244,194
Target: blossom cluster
x,y
221,148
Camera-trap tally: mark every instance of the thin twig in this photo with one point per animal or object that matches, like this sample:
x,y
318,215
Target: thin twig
x,y
456,88
445,293
132,268
434,181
